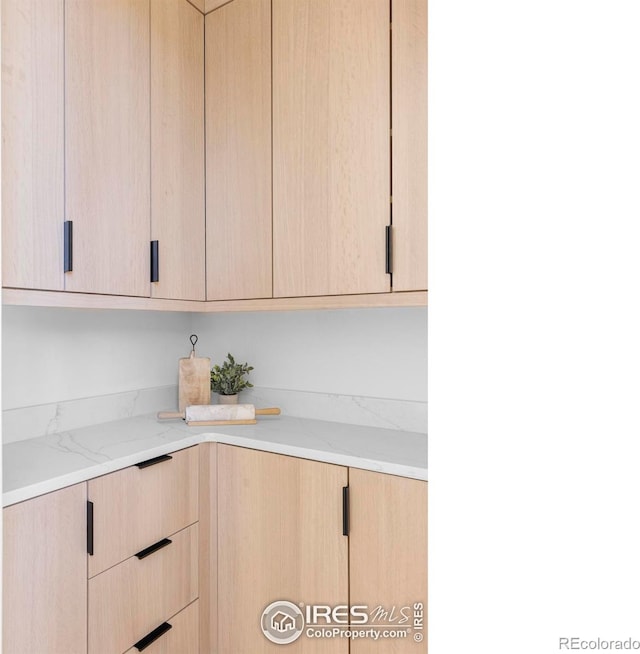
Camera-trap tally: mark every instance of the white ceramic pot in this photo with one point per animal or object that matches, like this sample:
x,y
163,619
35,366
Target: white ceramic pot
x,y
228,399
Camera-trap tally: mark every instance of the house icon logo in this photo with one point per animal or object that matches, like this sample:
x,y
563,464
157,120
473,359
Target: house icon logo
x,y
282,622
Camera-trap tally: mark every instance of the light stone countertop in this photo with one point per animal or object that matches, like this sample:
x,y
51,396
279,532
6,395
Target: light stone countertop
x,y
40,465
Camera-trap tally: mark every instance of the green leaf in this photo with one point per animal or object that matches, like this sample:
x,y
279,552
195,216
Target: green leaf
x,y
228,379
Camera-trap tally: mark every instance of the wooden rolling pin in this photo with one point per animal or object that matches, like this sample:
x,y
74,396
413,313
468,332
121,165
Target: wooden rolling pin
x,y
219,414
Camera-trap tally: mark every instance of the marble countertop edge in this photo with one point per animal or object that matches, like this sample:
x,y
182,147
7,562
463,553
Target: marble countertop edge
x,y
376,454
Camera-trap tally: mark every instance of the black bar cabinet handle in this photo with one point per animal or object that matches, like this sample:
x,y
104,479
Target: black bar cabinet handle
x,y
90,528
388,254
143,643
345,510
68,246
152,462
142,554
155,262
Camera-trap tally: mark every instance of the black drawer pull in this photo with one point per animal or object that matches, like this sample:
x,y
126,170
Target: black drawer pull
x,y
68,246
90,528
155,262
345,510
154,635
388,257
153,548
152,462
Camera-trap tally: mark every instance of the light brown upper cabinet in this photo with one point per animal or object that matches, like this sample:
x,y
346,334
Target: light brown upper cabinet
x,y
272,150
177,149
107,145
388,554
409,144
238,119
32,143
45,574
331,146
280,536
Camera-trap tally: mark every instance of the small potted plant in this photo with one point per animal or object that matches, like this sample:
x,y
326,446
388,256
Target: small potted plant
x,y
229,379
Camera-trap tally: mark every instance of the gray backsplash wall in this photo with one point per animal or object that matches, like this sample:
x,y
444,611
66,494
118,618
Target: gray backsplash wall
x,y
365,352
66,368
52,355
362,366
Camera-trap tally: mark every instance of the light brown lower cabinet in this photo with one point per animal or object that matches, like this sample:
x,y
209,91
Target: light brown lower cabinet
x,y
44,590
280,537
208,553
130,600
388,558
267,528
178,635
139,505
286,528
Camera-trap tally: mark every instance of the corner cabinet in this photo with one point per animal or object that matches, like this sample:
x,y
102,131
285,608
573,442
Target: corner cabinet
x,y
270,155
45,574
238,109
279,538
177,150
314,533
183,553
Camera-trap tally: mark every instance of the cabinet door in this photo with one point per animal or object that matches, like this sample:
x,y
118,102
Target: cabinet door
x,y
238,70
279,538
409,146
44,593
388,556
32,143
107,145
331,146
177,148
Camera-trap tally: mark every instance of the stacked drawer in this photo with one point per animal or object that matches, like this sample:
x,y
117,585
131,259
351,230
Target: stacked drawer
x,y
143,558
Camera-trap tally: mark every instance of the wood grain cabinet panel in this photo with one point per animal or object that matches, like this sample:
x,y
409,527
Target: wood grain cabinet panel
x,y
107,145
136,507
279,537
409,148
44,586
32,143
388,552
182,638
131,599
177,149
208,531
210,5
331,146
238,117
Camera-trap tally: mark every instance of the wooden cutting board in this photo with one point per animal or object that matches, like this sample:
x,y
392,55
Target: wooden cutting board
x,y
194,378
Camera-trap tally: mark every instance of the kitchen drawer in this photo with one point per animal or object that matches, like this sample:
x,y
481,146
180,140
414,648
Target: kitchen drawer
x,y
180,638
136,507
131,599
